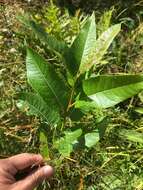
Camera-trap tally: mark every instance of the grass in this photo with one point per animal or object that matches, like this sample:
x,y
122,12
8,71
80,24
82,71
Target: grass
x,y
115,162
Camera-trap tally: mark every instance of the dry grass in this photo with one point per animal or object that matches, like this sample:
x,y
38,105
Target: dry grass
x,y
113,160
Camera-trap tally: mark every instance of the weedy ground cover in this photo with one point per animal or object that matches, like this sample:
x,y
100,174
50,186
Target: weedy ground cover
x,y
92,142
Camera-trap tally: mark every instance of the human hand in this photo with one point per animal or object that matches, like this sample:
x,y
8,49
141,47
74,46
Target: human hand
x,y
11,166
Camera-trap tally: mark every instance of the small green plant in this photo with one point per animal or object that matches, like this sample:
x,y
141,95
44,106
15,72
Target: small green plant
x,y
62,99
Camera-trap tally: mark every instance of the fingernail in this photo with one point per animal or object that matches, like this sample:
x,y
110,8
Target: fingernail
x,y
39,157
48,170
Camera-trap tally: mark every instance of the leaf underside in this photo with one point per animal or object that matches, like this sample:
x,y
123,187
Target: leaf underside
x,y
102,45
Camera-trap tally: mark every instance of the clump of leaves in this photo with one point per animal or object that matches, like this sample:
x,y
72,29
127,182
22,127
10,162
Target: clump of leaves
x,y
60,99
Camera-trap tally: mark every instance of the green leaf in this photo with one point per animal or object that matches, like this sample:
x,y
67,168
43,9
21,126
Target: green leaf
x,y
52,43
24,19
108,90
22,105
141,96
65,144
91,139
44,151
131,135
82,46
40,108
139,110
75,114
45,81
102,126
85,106
102,45
111,181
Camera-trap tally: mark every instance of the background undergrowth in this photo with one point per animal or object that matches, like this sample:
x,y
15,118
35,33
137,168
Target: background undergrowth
x,y
117,161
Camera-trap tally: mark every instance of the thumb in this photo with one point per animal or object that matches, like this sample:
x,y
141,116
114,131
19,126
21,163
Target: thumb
x,y
34,179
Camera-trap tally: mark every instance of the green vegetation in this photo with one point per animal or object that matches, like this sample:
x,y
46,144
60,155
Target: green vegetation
x,y
82,105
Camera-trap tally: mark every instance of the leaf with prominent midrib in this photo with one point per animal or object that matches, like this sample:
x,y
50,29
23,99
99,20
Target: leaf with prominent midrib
x,y
108,90
82,46
45,81
40,108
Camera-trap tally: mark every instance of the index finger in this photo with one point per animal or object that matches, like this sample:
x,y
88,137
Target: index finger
x,y
25,160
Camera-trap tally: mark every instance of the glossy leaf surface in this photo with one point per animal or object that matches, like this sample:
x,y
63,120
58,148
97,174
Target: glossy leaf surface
x,y
82,46
45,81
107,90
